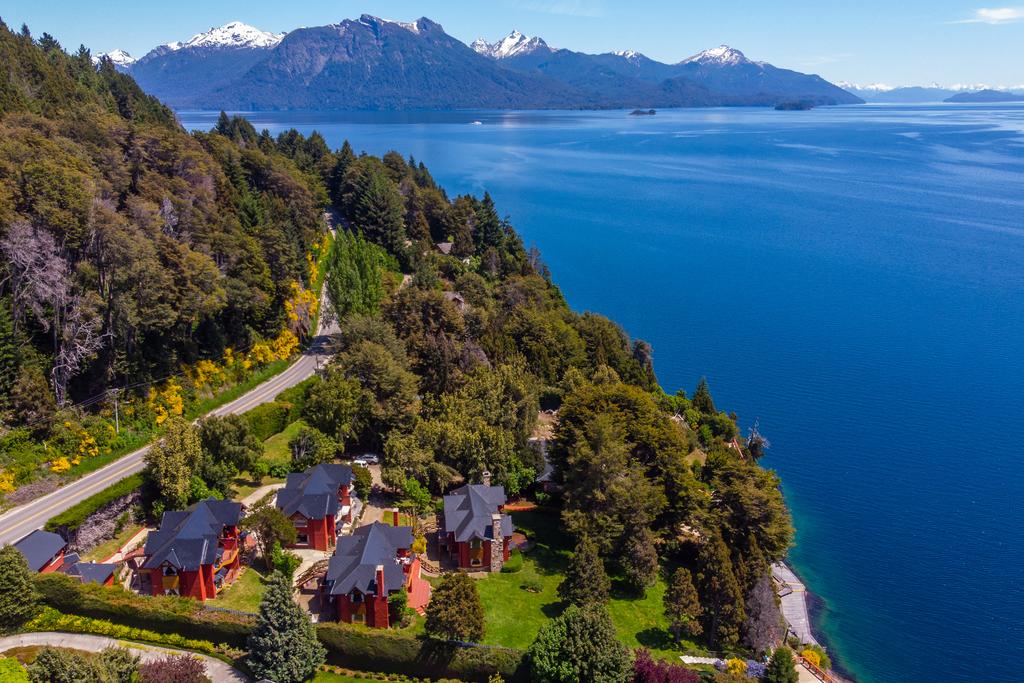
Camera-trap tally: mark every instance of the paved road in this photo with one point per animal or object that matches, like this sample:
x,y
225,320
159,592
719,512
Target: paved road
x,y
215,669
19,521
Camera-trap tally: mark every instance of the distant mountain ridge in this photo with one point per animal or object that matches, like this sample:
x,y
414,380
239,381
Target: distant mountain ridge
x,y
373,63
988,95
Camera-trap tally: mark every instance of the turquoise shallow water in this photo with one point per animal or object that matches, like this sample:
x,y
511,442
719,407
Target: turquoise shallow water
x,y
853,278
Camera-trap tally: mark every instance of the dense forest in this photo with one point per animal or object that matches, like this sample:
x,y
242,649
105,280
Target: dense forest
x,y
130,249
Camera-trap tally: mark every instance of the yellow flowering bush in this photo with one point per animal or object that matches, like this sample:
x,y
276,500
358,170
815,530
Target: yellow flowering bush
x,y
166,402
60,465
206,373
735,667
812,657
6,481
301,308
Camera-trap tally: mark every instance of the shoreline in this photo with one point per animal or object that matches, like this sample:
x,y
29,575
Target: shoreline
x,y
800,609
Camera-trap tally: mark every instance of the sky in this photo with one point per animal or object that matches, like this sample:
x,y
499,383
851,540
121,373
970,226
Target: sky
x,y
907,42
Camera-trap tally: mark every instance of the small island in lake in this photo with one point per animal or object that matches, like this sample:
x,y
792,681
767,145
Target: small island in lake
x,y
802,105
643,112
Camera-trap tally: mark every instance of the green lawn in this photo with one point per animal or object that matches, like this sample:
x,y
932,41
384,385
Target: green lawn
x,y
515,614
107,548
242,485
245,593
275,449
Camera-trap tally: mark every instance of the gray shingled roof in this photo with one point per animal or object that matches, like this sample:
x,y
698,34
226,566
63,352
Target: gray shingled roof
x,y
468,510
188,539
355,560
39,547
88,572
314,493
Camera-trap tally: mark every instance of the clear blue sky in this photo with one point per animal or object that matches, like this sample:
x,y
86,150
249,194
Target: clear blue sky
x,y
896,42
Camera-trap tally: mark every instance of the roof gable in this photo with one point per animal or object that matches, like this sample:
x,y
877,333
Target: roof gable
x,y
356,558
468,512
314,493
189,539
39,547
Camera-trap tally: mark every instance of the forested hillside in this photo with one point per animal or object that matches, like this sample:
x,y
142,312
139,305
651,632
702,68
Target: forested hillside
x,y
132,249
129,249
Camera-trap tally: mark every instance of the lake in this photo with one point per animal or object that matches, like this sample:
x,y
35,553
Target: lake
x,y
852,278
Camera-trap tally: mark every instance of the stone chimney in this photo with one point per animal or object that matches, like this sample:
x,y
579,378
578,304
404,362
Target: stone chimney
x,y
394,516
485,477
497,543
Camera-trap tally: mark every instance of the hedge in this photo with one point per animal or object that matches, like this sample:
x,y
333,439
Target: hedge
x,y
163,614
349,646
296,396
380,650
268,419
68,521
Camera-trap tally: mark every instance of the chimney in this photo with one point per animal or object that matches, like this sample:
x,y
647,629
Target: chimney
x,y
497,543
485,477
380,580
394,516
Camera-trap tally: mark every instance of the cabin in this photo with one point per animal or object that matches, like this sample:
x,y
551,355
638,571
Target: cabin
x,y
374,562
318,502
194,553
43,551
445,248
476,531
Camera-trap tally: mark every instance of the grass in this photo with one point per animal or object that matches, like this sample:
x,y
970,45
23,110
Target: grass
x,y
515,615
242,486
245,593
275,449
108,548
331,677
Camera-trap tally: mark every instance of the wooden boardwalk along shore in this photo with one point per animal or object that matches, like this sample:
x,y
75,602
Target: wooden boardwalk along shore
x,y
793,594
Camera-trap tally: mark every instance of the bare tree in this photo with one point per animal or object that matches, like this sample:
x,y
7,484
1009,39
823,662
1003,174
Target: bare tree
x,y
39,278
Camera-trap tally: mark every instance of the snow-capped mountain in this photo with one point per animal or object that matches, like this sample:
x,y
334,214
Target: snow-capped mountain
x,y
234,34
514,44
721,55
119,57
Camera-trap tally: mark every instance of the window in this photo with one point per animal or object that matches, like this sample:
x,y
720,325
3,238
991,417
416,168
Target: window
x,y
358,618
302,539
170,571
357,597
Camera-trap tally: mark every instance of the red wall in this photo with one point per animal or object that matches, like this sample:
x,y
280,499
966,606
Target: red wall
x,y
54,564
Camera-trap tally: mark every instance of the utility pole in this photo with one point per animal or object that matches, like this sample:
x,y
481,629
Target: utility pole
x,y
116,393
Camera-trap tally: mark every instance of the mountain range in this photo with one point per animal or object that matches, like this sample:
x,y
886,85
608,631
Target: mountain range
x,y
916,94
373,63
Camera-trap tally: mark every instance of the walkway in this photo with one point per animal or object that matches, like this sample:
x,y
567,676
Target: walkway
x,y
215,669
258,495
794,603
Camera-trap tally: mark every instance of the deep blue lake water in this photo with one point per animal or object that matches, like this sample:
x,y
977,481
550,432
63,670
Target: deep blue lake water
x,y
853,278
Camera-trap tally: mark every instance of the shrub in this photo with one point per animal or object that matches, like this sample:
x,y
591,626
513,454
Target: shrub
x,y
816,654
173,669
515,562
296,397
268,419
646,669
532,585
68,521
11,671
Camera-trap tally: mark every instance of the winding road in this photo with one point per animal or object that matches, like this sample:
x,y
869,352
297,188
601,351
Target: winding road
x,y
19,521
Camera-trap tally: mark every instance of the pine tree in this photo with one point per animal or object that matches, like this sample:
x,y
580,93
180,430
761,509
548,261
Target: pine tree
x,y
682,607
720,594
9,356
283,647
781,667
585,582
640,559
455,611
19,600
702,400
32,401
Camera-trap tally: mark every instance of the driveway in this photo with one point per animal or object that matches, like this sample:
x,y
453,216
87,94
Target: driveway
x,y
216,670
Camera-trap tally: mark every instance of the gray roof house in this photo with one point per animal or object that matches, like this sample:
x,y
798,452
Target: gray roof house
x,y
357,557
41,548
88,572
188,539
469,512
314,493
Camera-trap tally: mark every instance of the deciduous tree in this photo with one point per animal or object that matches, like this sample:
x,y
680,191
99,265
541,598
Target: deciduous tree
x,y
455,611
270,526
172,461
580,645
